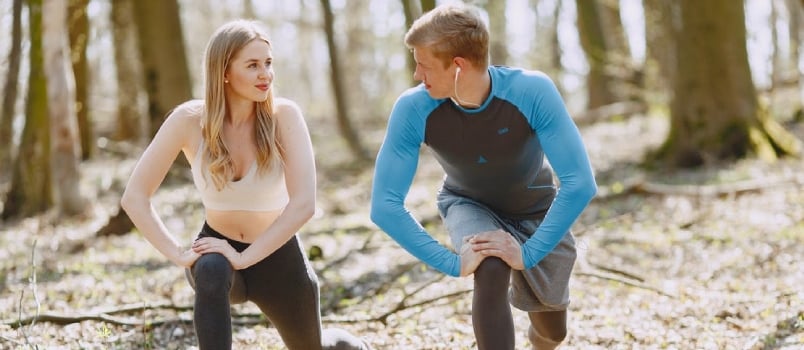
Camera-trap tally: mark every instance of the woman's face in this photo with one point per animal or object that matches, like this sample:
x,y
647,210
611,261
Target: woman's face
x,y
250,72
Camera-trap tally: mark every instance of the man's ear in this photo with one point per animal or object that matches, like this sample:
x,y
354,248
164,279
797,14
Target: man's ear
x,y
460,62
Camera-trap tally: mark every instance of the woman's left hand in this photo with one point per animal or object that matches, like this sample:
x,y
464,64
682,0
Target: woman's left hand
x,y
208,245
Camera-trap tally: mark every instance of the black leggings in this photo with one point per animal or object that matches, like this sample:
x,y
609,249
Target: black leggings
x,y
283,286
491,313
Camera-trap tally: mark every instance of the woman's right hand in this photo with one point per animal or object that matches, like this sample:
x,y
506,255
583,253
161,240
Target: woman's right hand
x,y
188,258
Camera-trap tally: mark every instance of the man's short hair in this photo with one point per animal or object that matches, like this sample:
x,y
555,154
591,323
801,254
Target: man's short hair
x,y
452,30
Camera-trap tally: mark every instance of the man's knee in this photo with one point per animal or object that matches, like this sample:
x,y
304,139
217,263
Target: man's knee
x,y
492,266
548,327
555,336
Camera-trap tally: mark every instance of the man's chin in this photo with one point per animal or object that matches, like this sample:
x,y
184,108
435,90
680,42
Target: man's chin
x,y
435,96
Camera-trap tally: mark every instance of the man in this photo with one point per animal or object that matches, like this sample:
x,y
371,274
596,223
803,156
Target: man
x,y
493,130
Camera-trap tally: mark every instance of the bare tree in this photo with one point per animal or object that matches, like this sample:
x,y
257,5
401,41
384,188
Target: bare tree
x,y
428,5
661,30
715,111
161,43
131,99
795,27
339,90
497,28
412,9
31,189
10,89
78,27
61,107
593,42
248,9
625,77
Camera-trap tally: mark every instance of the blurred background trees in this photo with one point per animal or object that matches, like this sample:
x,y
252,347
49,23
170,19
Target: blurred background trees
x,y
726,75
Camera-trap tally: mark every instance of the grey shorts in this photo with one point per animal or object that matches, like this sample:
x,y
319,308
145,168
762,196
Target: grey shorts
x,y
545,287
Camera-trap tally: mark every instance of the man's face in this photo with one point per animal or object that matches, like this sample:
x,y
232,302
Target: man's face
x,y
438,80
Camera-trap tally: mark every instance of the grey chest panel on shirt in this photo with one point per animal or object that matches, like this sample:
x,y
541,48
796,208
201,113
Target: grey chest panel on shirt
x,y
492,155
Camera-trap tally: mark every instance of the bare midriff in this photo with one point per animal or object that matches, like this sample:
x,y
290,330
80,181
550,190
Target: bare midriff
x,y
241,225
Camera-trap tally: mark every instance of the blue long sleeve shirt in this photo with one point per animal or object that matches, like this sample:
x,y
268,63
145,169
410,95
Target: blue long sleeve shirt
x,y
494,154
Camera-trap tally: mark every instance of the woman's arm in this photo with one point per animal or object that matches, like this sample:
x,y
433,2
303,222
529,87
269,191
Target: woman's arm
x,y
148,174
300,180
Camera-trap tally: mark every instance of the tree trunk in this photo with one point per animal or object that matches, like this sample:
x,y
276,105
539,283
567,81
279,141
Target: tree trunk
x,y
715,112
776,64
428,5
796,12
78,26
497,29
660,33
344,124
161,43
248,10
616,39
10,91
412,12
593,43
555,43
546,50
62,109
31,192
132,122
624,75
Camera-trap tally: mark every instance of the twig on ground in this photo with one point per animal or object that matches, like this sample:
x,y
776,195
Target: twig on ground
x,y
402,306
615,278
32,279
640,185
617,272
609,112
401,270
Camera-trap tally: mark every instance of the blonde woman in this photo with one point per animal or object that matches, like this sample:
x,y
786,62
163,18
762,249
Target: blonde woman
x,y
252,162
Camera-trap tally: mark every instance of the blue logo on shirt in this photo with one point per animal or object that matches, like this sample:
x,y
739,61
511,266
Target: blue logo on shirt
x,y
502,131
481,160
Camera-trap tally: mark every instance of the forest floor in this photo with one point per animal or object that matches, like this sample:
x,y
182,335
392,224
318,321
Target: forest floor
x,y
703,259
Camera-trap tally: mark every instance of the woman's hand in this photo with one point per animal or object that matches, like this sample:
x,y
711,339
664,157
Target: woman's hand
x,y
188,258
208,245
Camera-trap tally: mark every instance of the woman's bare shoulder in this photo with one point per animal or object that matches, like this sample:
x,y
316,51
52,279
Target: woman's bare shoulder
x,y
183,124
284,107
188,113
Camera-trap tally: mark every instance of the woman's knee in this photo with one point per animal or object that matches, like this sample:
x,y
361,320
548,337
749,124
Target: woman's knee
x,y
212,275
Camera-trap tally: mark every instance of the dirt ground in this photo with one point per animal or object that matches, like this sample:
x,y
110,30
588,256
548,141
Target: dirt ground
x,y
704,259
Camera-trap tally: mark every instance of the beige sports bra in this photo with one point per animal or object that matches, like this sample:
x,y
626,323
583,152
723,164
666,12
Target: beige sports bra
x,y
253,192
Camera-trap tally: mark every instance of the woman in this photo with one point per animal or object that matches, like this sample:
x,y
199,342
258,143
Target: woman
x,y
252,161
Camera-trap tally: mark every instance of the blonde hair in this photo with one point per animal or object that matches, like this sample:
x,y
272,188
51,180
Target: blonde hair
x,y
225,43
452,30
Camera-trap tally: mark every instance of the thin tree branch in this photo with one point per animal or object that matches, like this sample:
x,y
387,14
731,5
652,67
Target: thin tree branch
x,y
615,278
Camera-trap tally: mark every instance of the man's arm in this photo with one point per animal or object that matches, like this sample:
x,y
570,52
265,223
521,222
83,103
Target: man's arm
x,y
564,149
393,174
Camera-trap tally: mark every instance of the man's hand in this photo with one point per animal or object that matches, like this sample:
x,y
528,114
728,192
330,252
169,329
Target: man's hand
x,y
470,259
500,244
208,245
